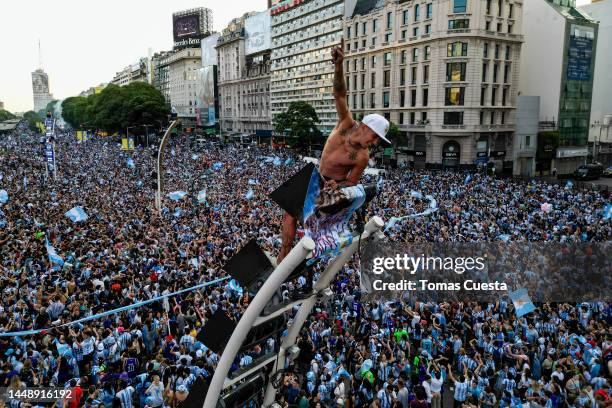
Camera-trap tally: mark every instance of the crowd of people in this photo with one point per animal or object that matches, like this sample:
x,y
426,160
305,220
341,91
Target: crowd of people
x,y
353,354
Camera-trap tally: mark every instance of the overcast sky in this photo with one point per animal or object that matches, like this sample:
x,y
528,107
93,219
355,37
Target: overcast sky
x,y
85,43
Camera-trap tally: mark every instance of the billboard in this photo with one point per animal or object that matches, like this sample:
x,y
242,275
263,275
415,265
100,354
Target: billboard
x,y
206,95
188,28
209,53
257,33
580,53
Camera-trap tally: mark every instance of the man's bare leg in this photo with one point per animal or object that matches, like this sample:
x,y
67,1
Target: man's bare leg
x,y
288,235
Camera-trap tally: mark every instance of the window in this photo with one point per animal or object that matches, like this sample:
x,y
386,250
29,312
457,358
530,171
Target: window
x,y
481,117
401,118
415,32
493,96
458,24
356,45
495,69
364,28
403,34
354,101
402,77
454,96
459,6
413,79
402,98
484,72
499,27
348,66
417,13
485,50
388,37
372,100
385,99
405,17
374,25
500,7
453,118
427,52
425,74
527,141
488,26
387,78
403,56
412,117
492,122
363,63
415,54
373,61
389,20
362,101
423,117
373,80
354,82
348,82
363,43
488,6
504,95
348,33
511,11
425,96
355,64
427,28
456,49
506,73
455,71
496,51
373,41
429,10
510,25
387,59
413,97
348,46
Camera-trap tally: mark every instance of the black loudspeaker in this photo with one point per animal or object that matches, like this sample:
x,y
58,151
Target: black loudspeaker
x,y
217,331
249,265
291,194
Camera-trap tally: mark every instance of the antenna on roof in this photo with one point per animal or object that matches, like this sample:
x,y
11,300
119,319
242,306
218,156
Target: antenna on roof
x,y
39,56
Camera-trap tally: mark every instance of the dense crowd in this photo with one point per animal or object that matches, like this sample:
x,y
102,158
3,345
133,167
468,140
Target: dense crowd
x,y
353,353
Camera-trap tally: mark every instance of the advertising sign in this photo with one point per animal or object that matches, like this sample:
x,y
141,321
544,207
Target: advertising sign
x,y
257,32
206,95
209,53
50,158
580,52
187,28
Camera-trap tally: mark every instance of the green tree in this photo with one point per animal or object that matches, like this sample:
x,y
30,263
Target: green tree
x,y
300,120
32,118
5,115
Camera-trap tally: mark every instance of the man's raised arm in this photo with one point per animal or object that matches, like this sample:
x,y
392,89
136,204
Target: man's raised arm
x,y
339,83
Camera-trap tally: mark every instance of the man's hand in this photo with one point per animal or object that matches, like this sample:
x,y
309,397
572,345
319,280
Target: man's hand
x,y
338,53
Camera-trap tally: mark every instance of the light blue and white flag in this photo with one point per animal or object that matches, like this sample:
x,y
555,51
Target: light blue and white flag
x,y
504,237
202,196
177,214
253,182
177,195
607,212
277,161
217,165
380,184
569,185
249,194
194,262
54,258
234,286
130,163
289,161
194,157
3,196
416,194
468,178
77,214
522,302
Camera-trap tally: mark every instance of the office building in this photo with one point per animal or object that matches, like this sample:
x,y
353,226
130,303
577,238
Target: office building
x,y
40,89
557,64
445,72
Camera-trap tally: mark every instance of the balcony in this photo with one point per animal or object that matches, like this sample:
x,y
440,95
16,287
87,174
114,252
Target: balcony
x,y
453,126
458,31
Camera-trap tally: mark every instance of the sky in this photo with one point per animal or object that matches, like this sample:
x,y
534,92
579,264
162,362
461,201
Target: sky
x,y
84,43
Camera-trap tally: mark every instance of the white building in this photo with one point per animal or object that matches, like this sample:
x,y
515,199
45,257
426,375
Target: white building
x,y
138,71
446,72
303,35
40,89
557,65
244,82
183,67
601,106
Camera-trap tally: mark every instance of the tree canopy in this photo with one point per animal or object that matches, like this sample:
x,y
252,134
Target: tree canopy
x,y
32,118
5,115
300,121
116,107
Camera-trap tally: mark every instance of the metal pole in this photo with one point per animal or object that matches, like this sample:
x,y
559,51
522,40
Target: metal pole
x,y
374,225
159,163
269,288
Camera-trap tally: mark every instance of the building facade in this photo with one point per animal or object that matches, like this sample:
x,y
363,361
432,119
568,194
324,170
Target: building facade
x,y
40,89
244,83
558,65
303,34
161,73
183,68
600,136
446,72
136,72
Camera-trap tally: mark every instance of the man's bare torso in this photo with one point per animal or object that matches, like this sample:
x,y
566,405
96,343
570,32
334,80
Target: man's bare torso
x,y
339,157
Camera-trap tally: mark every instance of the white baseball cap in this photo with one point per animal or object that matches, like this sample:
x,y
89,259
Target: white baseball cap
x,y
378,124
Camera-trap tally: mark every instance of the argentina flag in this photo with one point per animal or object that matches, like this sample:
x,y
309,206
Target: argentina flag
x,y
249,194
54,258
177,195
202,197
3,196
607,212
130,163
277,161
76,214
522,302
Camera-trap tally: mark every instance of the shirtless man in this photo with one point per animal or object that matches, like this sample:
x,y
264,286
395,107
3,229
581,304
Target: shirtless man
x,y
346,153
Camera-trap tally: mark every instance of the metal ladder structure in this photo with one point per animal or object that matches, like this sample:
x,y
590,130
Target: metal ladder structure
x,y
252,316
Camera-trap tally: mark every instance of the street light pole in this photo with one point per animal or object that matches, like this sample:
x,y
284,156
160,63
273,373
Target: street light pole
x,y
160,157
